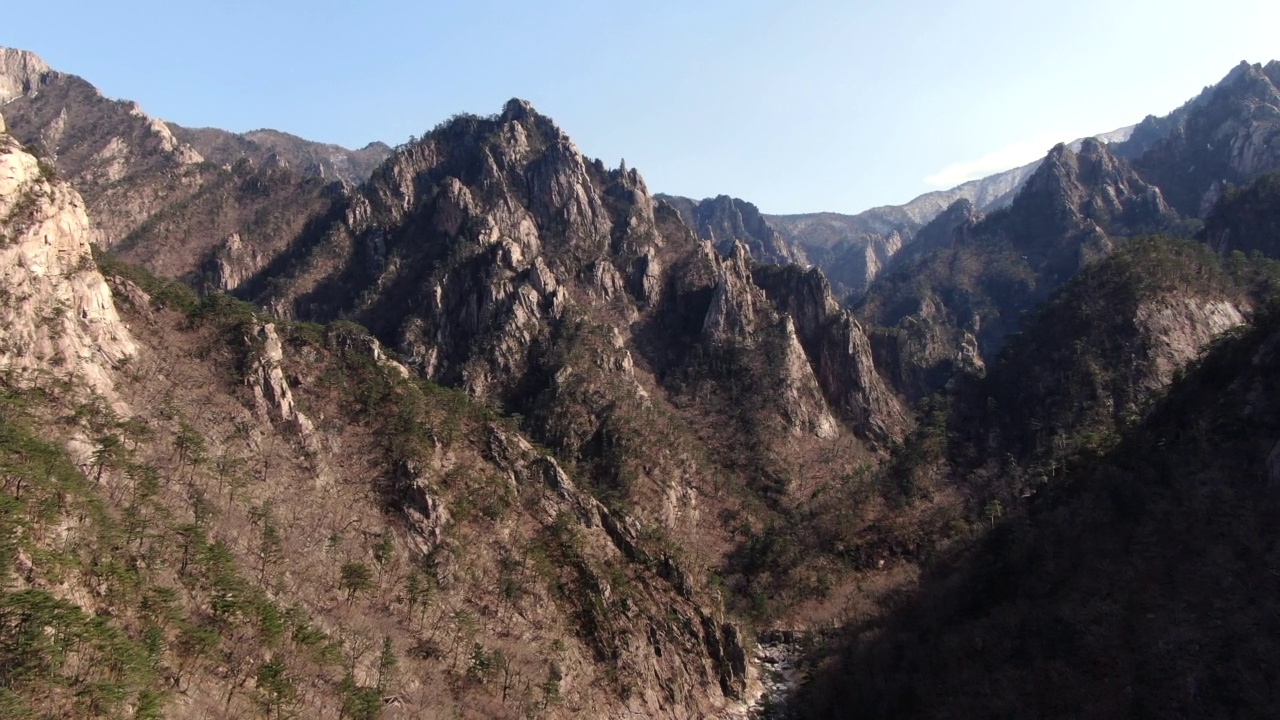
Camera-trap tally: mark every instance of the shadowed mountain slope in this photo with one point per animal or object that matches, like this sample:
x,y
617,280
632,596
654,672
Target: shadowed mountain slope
x,y
1139,583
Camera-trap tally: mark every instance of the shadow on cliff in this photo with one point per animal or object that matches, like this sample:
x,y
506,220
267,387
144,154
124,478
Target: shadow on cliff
x,y
1143,583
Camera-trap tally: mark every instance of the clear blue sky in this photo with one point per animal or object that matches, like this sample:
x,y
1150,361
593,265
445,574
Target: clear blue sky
x,y
797,107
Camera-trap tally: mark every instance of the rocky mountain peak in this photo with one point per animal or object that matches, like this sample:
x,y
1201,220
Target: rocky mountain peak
x,y
959,214
732,315
726,221
1272,71
21,73
950,228
1251,78
517,110
1070,213
97,142
1094,187
525,178
1227,135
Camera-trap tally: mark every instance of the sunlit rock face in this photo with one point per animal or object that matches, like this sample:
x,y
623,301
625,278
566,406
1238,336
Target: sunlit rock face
x,y
58,315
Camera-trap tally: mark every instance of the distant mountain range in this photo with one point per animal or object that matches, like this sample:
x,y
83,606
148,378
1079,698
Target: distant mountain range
x,y
852,249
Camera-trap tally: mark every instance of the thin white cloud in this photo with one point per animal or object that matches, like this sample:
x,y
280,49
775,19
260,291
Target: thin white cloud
x,y
1008,157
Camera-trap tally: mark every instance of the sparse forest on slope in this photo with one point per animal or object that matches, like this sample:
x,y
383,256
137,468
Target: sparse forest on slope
x,y
281,521
954,306
1247,220
329,162
1122,473
240,220
1141,582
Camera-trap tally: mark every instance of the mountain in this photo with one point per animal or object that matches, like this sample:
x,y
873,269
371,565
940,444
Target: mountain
x,y
141,176
940,305
1090,435
955,306
510,197
687,401
1226,136
310,158
1135,581
124,163
264,516
725,221
853,249
498,432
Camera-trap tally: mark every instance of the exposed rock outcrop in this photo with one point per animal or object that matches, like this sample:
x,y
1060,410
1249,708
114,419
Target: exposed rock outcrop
x,y
837,351
126,164
726,221
233,262
57,314
21,73
951,227
682,623
1227,135
1175,330
265,377
952,306
732,315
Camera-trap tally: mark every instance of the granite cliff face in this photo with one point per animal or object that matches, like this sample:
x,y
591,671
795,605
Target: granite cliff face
x,y
853,249
725,221
21,74
147,185
469,249
58,316
838,346
954,306
1226,136
126,164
